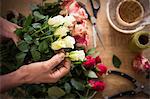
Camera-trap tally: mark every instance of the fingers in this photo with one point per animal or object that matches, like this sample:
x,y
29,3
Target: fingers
x,y
16,26
55,60
63,70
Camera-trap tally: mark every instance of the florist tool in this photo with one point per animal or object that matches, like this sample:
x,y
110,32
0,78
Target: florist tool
x,y
95,4
138,86
140,41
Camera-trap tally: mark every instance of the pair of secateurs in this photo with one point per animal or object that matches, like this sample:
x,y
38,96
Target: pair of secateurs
x,y
138,86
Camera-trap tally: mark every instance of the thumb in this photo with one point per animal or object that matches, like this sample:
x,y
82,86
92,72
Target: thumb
x,y
55,60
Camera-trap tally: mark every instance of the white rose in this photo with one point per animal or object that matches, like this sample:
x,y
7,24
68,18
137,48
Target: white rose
x,y
56,21
61,31
58,45
76,55
69,20
69,42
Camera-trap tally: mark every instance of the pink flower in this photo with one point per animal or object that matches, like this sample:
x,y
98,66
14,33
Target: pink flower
x,y
81,40
96,85
90,62
80,33
98,59
80,28
101,69
140,63
74,9
79,14
67,3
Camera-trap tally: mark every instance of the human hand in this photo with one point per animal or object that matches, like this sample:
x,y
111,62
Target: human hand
x,y
46,72
7,30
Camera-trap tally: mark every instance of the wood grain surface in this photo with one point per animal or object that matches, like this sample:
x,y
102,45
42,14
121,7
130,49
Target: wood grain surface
x,y
114,41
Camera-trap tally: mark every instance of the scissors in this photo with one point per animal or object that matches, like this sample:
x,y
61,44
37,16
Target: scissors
x,y
138,86
95,5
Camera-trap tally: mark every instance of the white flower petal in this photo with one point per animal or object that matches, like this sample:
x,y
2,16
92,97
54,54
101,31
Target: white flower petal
x,y
69,42
77,55
69,20
58,44
61,31
56,21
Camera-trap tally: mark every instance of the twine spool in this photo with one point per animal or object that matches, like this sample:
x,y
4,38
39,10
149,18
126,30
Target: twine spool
x,y
140,41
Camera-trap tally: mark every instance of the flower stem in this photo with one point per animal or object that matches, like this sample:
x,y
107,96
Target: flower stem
x,y
93,95
40,29
87,92
46,37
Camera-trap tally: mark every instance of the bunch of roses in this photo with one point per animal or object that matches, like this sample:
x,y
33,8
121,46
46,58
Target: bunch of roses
x,y
80,31
74,23
99,68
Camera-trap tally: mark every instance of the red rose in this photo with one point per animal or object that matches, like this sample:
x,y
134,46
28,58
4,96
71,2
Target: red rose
x,y
98,59
90,62
101,68
96,85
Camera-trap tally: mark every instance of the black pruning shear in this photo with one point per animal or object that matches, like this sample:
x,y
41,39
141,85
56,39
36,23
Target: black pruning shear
x,y
138,86
95,5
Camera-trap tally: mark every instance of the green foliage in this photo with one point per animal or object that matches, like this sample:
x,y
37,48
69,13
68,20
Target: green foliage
x,y
23,46
91,74
90,51
67,87
20,57
116,61
56,91
28,21
77,85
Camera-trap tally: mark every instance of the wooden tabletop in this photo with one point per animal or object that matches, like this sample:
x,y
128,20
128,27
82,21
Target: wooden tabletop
x,y
114,41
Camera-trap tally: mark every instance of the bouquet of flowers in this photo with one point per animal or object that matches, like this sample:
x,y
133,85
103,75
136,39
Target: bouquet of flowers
x,y
52,28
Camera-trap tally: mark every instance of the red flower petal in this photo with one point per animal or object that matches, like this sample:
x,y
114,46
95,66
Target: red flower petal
x,y
98,59
101,68
90,62
97,85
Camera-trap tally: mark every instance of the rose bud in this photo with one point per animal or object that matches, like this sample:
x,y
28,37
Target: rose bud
x,y
101,69
96,85
98,59
90,62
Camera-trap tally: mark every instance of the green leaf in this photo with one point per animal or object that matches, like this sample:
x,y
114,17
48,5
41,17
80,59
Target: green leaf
x,y
77,63
36,25
43,46
28,21
36,41
35,55
38,15
77,85
27,38
23,46
116,61
90,51
56,91
91,74
20,57
67,87
19,32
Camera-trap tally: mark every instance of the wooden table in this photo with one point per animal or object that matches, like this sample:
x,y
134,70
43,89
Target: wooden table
x,y
115,43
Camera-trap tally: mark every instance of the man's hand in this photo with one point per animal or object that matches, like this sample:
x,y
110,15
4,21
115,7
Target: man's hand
x,y
7,30
48,71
